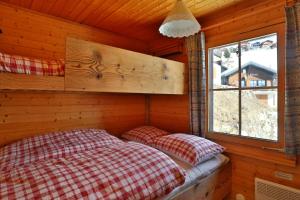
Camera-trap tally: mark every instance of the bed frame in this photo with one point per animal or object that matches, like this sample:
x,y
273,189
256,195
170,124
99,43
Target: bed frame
x,y
11,81
216,186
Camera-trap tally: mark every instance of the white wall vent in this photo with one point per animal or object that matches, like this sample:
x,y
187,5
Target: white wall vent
x,y
266,190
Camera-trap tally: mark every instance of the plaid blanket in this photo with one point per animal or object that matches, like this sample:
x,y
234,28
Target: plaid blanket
x,y
109,169
24,65
53,145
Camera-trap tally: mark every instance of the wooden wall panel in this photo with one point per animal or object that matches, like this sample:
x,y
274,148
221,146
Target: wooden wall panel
x,y
26,113
38,35
171,113
245,169
23,114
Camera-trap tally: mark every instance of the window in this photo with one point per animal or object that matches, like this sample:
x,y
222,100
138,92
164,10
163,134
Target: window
x,y
261,83
243,82
243,97
253,83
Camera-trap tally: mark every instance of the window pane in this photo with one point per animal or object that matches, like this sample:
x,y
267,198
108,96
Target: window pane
x,y
224,59
225,112
259,61
259,114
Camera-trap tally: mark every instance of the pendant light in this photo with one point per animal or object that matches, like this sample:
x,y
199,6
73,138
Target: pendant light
x,y
180,22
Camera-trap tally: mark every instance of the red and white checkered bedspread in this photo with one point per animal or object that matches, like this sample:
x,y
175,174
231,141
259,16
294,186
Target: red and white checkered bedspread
x,y
53,145
24,65
85,164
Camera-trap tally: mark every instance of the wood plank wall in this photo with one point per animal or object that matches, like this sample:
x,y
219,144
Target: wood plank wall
x,y
171,113
245,169
35,34
30,113
26,113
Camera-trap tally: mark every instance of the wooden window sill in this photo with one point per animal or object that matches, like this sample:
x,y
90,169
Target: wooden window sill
x,y
258,153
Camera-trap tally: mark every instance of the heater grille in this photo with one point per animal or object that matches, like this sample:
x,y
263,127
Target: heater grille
x,y
266,190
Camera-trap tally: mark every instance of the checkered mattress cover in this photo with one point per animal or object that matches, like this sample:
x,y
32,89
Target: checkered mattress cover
x,y
85,164
30,66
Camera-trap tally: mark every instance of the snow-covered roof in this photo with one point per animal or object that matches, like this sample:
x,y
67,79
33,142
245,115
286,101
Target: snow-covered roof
x,y
250,63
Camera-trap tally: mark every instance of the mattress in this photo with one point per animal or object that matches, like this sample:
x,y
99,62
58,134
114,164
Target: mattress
x,y
31,66
194,175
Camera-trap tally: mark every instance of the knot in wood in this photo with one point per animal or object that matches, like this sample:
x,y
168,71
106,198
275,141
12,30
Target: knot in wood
x,y
97,56
99,75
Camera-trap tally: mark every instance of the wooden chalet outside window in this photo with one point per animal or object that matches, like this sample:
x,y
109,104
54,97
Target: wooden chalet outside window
x,y
244,95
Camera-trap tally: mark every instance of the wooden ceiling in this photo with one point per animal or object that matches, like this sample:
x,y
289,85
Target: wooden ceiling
x,y
133,18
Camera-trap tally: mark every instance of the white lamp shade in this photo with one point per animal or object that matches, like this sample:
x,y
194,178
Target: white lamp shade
x,y
180,22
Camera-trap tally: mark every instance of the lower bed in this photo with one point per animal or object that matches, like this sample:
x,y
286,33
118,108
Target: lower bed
x,y
92,162
203,180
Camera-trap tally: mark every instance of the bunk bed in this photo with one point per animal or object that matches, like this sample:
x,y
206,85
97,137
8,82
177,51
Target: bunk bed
x,y
92,67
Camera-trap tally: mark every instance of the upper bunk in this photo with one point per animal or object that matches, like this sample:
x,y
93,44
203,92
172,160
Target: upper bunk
x,y
93,67
19,72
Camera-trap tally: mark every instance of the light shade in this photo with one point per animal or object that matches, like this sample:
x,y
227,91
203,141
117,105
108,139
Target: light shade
x,y
180,22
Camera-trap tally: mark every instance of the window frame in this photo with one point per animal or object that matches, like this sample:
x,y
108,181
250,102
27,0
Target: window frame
x,y
258,142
